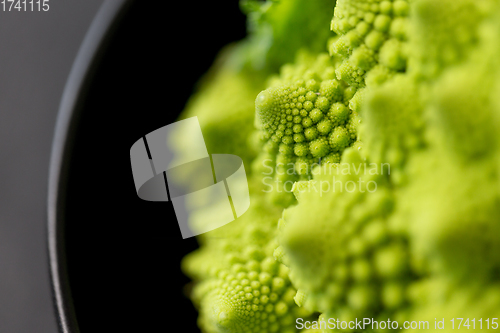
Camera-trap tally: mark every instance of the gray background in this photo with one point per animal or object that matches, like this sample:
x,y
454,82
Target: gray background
x,y
36,54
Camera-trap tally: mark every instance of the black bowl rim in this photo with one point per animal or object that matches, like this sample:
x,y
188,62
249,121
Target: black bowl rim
x,y
77,84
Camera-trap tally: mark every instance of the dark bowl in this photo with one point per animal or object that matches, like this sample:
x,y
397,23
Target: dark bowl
x,y
114,258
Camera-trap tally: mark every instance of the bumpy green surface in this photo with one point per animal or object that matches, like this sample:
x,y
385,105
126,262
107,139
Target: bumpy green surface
x,y
371,39
241,287
255,297
440,139
304,120
392,202
367,255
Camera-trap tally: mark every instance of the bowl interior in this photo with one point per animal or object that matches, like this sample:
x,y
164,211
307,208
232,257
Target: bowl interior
x,y
123,253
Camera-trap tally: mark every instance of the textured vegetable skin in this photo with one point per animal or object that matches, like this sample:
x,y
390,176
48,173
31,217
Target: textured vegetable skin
x,y
414,86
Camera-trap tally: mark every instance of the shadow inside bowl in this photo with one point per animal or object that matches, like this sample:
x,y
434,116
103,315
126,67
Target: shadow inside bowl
x,y
116,258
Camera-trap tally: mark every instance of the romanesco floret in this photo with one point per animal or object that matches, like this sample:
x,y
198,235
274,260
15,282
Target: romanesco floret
x,y
304,120
255,297
367,255
241,287
371,40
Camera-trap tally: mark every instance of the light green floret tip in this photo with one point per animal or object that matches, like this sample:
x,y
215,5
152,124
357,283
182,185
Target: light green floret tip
x,y
263,106
255,297
304,119
299,117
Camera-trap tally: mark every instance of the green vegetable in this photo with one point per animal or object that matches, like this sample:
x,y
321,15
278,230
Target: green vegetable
x,y
371,39
303,120
375,169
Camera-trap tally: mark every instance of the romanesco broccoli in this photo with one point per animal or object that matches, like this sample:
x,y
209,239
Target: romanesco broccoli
x,y
375,167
